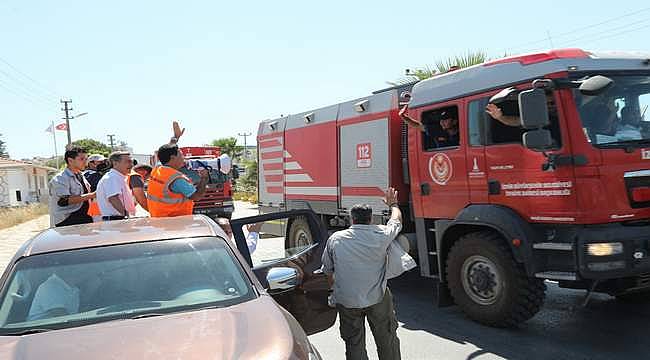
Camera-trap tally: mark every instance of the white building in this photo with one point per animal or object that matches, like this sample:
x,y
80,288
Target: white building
x,y
23,183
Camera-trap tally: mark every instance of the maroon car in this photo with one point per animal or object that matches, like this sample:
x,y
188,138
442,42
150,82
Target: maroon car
x,y
164,288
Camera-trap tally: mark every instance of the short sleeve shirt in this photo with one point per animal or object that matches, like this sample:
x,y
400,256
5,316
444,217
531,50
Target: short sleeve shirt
x,y
65,184
111,184
135,181
183,187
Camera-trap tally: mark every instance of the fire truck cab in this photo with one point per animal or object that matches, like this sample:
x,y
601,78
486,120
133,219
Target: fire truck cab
x,y
555,186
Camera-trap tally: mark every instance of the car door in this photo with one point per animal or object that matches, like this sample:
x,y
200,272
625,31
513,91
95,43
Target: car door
x,y
287,261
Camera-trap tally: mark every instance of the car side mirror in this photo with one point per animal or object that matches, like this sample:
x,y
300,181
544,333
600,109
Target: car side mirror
x,y
234,172
538,140
533,109
281,279
595,85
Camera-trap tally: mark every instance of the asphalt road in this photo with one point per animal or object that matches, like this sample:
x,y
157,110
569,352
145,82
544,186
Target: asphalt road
x,y
605,329
563,329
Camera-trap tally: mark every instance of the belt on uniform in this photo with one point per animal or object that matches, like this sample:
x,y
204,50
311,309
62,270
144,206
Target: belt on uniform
x,y
113,217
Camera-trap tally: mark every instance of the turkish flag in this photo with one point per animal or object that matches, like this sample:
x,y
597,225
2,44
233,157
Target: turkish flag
x,y
62,126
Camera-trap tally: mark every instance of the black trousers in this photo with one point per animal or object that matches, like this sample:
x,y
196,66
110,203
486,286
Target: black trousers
x,y
383,324
76,218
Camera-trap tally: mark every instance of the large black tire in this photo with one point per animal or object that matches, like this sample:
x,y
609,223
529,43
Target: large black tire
x,y
496,290
299,235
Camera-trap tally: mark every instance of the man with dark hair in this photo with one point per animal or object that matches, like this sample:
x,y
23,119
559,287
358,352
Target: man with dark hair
x,y
113,194
171,193
358,257
70,192
448,119
137,178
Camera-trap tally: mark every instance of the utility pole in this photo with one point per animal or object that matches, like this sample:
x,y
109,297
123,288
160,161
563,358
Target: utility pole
x,y
67,117
111,141
245,135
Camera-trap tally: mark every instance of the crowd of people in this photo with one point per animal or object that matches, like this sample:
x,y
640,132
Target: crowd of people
x,y
95,188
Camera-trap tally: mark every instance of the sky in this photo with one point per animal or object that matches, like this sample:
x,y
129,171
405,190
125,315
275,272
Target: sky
x,y
220,68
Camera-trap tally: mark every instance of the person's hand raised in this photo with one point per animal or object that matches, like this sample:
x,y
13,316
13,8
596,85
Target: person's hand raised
x,y
178,132
254,228
390,197
494,111
402,111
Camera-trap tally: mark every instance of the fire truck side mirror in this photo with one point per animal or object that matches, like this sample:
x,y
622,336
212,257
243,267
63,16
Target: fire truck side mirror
x,y
595,85
538,140
533,109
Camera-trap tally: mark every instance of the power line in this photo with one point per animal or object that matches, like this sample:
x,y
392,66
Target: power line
x,y
26,87
28,77
26,93
617,34
591,36
23,96
525,45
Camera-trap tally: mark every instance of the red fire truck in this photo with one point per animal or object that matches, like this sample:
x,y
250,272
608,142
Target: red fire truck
x,y
217,201
562,193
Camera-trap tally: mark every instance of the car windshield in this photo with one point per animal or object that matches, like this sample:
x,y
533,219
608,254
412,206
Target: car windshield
x,y
85,286
619,116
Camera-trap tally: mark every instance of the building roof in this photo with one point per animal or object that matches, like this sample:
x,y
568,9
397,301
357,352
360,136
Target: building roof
x,y
9,163
121,232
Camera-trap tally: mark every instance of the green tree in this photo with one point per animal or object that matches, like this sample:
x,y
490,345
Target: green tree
x,y
3,148
229,146
442,66
52,162
249,180
93,146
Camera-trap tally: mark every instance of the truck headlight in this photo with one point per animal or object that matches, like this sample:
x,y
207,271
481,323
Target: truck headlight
x,y
605,249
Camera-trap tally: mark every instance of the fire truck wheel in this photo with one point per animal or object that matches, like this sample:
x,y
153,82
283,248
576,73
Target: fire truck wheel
x,y
299,235
488,284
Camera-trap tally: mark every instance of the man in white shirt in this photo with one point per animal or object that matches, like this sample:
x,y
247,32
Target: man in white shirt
x,y
113,194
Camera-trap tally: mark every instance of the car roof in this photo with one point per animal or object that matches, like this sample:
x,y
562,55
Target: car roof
x,y
127,231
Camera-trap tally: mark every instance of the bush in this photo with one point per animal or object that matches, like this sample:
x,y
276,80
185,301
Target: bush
x,y
246,196
17,215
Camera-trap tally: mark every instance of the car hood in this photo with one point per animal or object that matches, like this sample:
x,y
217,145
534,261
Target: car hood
x,y
257,329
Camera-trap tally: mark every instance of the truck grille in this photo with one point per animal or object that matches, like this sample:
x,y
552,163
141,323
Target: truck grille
x,y
643,280
637,179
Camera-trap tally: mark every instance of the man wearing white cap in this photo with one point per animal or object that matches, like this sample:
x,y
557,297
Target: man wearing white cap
x,y
93,174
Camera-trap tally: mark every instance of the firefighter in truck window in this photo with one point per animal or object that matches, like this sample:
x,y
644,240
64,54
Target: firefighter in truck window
x,y
506,124
439,127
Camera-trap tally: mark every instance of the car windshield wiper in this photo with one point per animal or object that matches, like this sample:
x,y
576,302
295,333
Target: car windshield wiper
x,y
26,332
625,143
146,315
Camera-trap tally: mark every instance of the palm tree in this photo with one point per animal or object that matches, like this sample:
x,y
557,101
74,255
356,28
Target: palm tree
x,y
442,66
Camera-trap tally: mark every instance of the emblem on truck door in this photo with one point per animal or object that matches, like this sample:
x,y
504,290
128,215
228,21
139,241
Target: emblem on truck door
x,y
440,168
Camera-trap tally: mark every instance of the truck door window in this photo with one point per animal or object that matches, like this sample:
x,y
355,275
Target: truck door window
x,y
618,115
440,128
502,131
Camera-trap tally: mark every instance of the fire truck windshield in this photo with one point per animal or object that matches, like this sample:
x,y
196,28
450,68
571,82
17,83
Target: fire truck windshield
x,y
618,116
